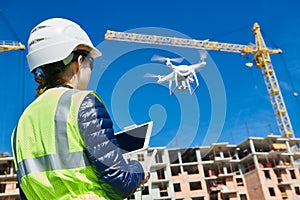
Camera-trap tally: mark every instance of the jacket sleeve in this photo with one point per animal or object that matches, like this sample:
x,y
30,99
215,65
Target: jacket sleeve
x,y
96,128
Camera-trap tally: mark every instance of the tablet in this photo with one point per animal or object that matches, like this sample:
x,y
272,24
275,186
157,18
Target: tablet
x,y
134,138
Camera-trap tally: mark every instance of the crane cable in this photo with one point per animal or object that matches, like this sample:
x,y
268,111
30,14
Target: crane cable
x,y
287,72
229,32
244,28
9,26
22,59
6,22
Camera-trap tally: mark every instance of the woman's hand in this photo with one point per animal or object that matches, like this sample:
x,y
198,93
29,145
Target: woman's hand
x,y
146,178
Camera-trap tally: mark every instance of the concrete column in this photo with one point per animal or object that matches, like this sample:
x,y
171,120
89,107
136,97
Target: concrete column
x,y
225,170
11,168
221,154
252,146
288,146
255,162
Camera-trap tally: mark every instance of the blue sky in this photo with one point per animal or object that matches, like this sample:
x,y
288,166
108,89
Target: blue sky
x,y
231,103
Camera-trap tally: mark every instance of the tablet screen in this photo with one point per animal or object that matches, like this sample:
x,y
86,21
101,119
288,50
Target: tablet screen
x,y
134,139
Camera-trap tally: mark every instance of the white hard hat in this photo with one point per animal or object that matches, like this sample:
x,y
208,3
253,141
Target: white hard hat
x,y
54,39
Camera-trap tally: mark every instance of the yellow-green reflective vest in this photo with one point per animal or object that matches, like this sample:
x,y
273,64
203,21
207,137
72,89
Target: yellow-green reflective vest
x,y
49,151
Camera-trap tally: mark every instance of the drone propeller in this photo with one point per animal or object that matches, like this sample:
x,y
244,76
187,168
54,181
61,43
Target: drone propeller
x,y
164,59
201,63
148,75
203,55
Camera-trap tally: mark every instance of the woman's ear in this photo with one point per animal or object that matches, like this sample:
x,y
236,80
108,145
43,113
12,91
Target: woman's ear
x,y
79,63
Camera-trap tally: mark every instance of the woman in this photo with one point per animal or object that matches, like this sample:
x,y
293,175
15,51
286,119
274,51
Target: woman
x,y
64,145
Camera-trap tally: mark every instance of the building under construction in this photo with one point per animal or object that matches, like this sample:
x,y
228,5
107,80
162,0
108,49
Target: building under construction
x,y
256,169
8,179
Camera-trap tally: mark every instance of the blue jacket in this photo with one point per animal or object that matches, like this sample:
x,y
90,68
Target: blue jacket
x,y
97,131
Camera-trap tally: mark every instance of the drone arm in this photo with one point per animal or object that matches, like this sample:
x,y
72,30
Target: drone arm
x,y
170,65
198,65
166,78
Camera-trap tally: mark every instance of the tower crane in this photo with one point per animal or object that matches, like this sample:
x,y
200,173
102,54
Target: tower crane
x,y
261,57
11,45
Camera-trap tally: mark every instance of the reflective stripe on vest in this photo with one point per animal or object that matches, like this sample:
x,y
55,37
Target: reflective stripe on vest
x,y
63,159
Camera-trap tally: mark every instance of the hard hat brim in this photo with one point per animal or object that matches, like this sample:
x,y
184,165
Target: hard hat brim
x,y
61,51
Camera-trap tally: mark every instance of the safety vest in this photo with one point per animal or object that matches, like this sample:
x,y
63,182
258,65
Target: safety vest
x,y
49,152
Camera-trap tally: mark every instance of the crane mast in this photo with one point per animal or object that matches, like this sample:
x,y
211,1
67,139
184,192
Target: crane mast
x,y
11,45
261,56
263,61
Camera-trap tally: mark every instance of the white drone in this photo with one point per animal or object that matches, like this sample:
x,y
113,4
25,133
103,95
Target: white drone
x,y
182,75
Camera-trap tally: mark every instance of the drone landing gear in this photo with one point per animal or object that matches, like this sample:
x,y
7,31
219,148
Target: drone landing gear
x,y
170,88
192,80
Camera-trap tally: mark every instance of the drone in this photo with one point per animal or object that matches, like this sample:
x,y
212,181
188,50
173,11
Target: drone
x,y
182,75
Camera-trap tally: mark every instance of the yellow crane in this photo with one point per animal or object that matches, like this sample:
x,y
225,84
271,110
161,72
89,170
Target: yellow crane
x,y
261,57
11,45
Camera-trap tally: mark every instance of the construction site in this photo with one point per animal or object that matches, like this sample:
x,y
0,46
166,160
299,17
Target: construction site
x,y
258,168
